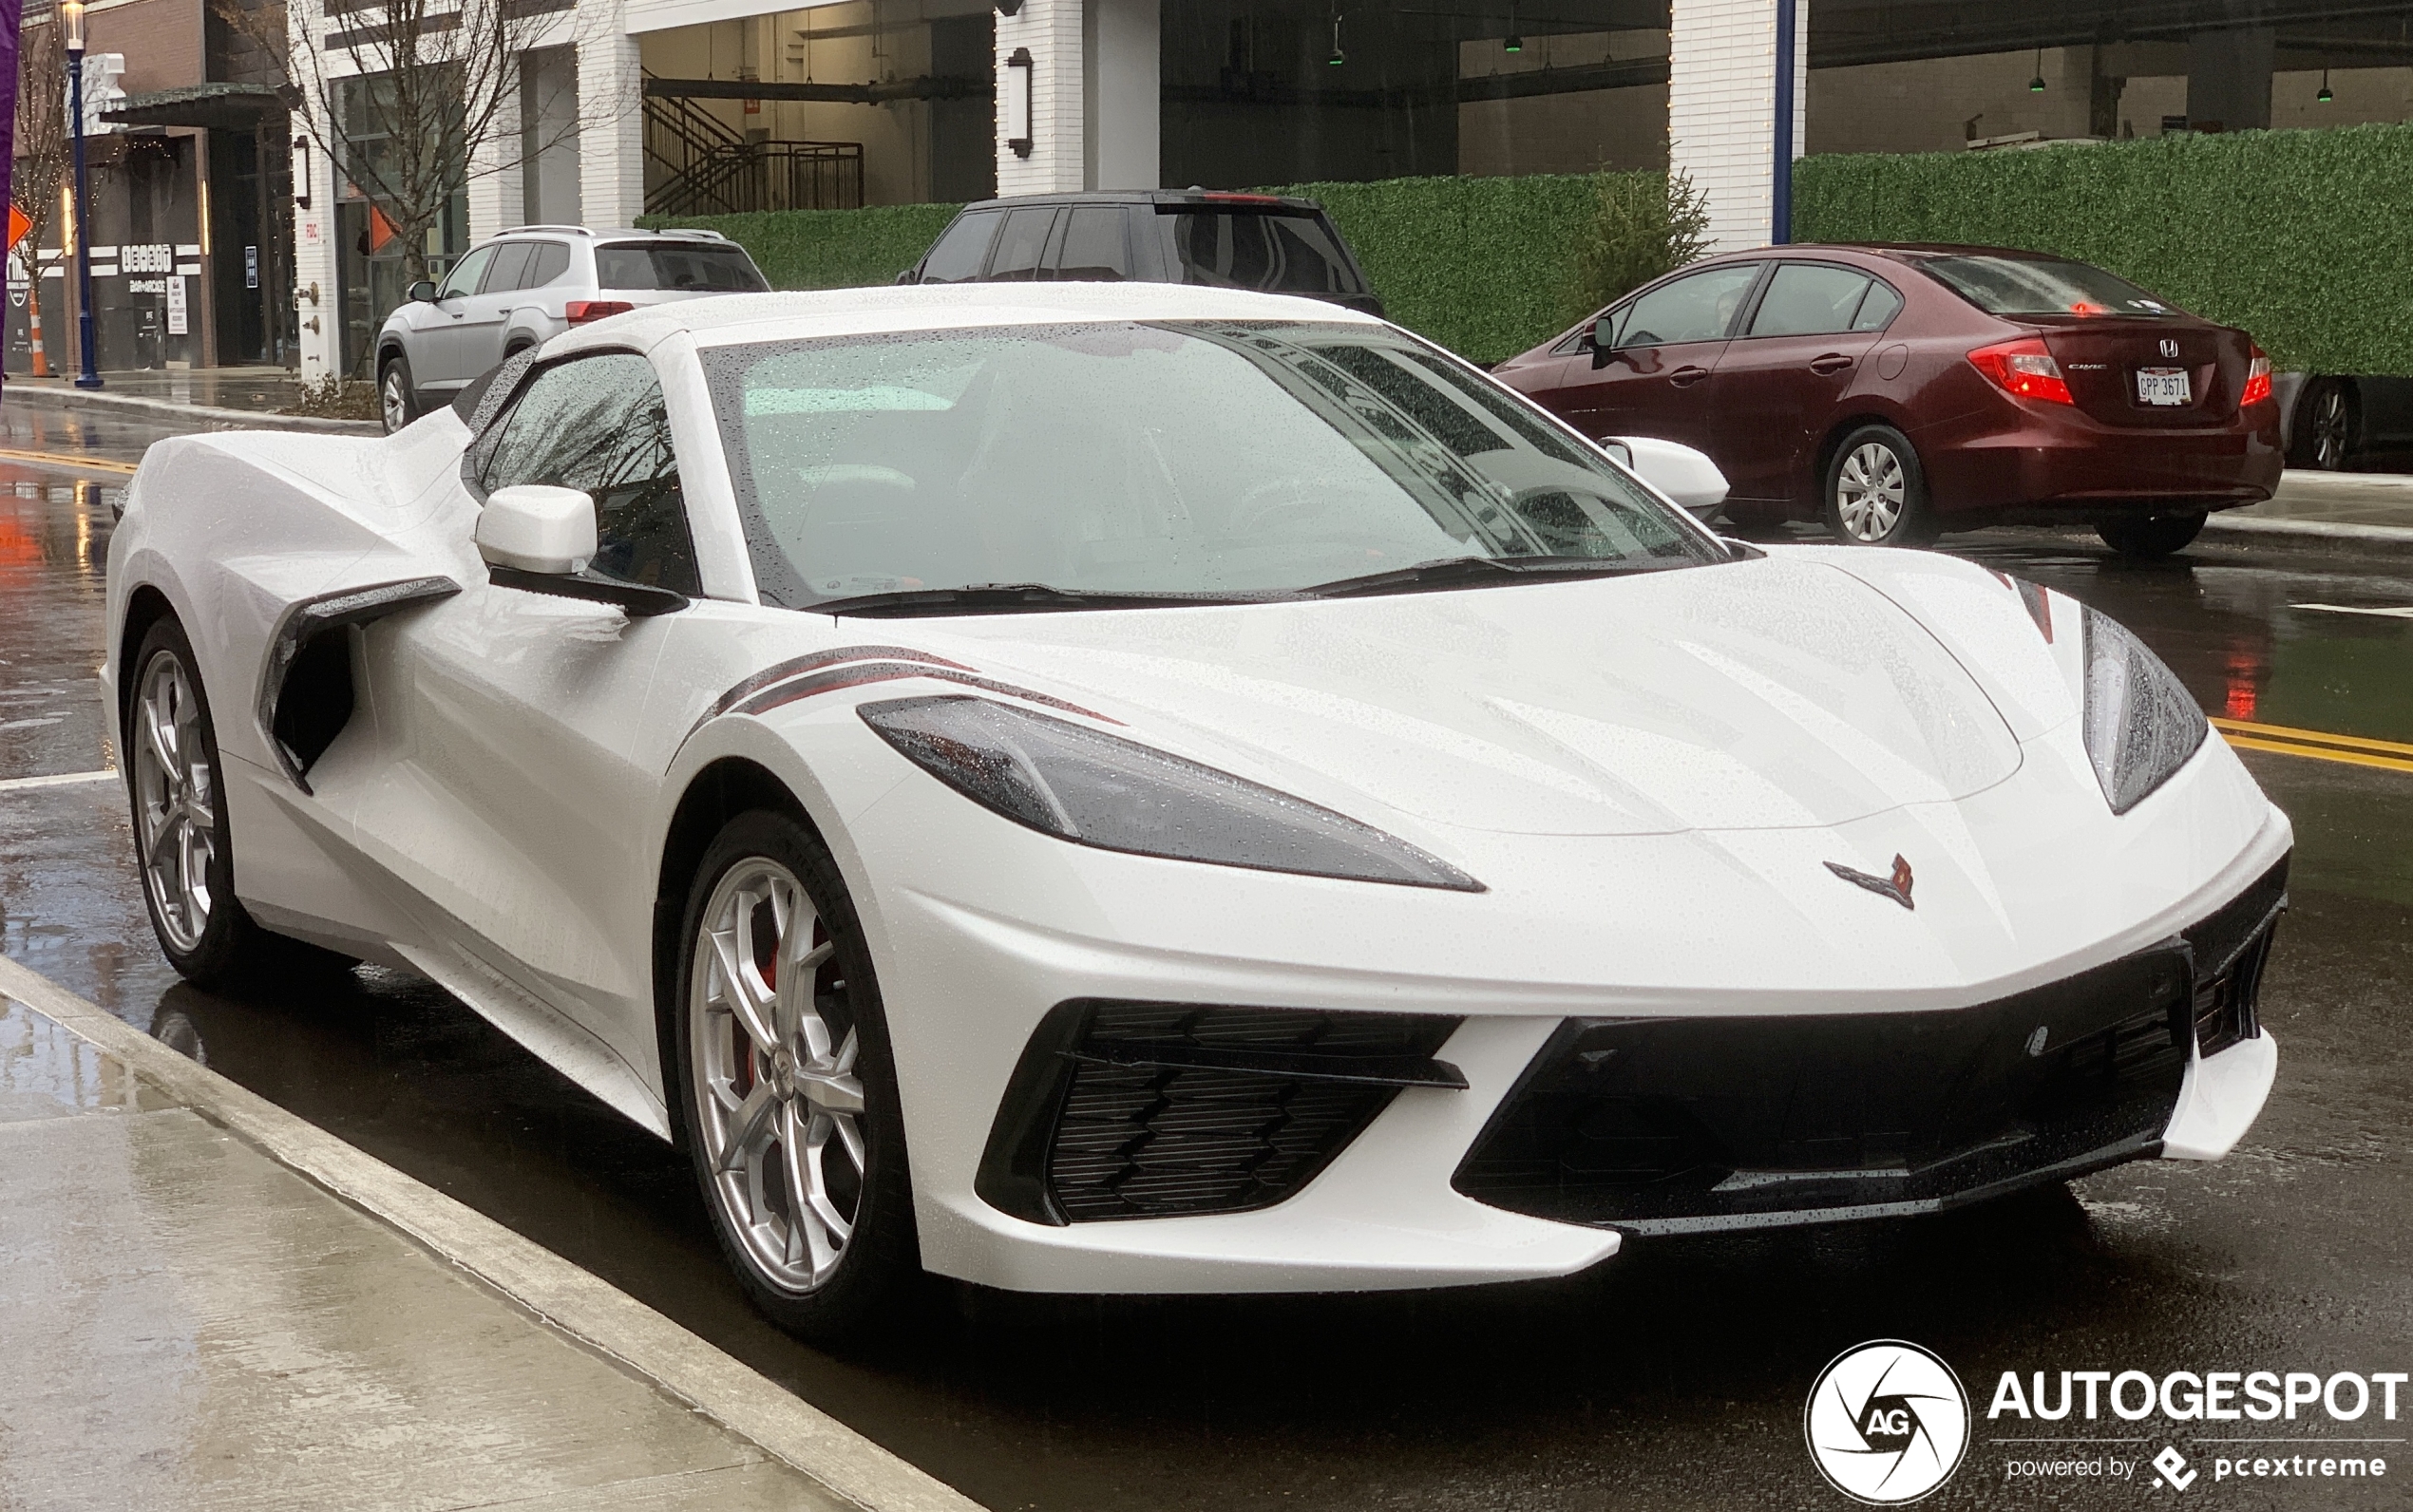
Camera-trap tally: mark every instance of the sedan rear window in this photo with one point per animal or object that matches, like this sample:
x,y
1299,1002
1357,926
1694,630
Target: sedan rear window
x,y
676,265
1255,249
2041,286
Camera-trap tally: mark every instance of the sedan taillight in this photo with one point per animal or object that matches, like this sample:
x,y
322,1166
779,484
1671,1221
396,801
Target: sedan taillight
x,y
2024,367
2257,379
582,310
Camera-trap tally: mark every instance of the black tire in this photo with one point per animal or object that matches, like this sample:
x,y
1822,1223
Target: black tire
x,y
2323,436
1875,491
2146,538
216,942
861,1291
398,401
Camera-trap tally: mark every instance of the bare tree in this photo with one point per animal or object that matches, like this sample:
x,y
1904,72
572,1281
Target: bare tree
x,y
43,151
412,99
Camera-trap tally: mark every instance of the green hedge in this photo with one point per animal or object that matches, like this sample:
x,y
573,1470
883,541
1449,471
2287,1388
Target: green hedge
x,y
827,249
2303,238
1480,265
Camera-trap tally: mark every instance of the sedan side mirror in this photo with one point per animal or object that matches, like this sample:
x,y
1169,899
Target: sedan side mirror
x,y
423,293
1603,340
539,538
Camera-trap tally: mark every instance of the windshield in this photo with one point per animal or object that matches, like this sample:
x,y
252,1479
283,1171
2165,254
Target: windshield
x,y
2043,286
676,265
1216,459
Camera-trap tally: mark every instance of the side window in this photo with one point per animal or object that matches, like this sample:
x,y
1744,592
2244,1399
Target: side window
x,y
1809,299
599,423
466,273
1093,247
1699,307
509,269
958,257
1020,243
551,261
1877,308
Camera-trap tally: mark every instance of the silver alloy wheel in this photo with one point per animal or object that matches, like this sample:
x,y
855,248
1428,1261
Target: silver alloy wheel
x,y
174,801
1869,490
776,1095
2330,427
396,402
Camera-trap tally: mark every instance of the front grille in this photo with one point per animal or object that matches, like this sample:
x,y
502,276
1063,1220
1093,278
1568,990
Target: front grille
x,y
1124,1110
1676,1125
2231,948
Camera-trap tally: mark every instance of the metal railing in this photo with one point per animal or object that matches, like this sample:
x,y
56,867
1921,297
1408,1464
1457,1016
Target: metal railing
x,y
705,168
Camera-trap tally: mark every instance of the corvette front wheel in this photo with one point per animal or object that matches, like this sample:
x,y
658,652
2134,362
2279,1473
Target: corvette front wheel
x,y
787,1083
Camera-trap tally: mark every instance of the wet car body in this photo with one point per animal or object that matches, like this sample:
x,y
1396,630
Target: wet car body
x,y
1464,927
1771,409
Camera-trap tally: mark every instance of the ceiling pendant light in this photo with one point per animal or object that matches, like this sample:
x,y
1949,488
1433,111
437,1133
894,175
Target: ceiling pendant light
x,y
2036,85
1336,60
2324,96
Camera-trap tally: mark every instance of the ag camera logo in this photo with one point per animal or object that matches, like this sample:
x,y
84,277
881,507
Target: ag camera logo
x,y
1887,1423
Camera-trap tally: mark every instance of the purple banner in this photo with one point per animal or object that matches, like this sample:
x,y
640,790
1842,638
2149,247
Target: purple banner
x,y
12,13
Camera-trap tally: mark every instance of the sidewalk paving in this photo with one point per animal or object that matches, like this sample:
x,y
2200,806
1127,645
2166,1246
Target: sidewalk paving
x,y
211,1303
205,398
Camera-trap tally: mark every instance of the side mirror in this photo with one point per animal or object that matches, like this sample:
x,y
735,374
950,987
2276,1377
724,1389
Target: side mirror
x,y
910,277
423,293
533,528
1603,340
538,539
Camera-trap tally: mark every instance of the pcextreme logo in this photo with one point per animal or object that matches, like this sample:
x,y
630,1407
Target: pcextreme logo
x,y
1887,1423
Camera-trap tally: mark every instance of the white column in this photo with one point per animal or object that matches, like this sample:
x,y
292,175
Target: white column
x,y
319,311
496,198
612,139
1721,109
1051,30
1120,41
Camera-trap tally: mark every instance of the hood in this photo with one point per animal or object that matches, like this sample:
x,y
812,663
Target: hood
x,y
1768,693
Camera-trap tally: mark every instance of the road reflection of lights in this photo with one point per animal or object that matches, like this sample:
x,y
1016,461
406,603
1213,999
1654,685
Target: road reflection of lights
x,y
2245,672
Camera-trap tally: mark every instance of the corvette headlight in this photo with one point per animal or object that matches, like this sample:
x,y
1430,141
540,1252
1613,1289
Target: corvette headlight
x,y
2142,723
1097,789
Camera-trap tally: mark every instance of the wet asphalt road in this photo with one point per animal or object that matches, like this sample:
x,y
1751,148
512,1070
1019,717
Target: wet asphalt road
x,y
1673,1376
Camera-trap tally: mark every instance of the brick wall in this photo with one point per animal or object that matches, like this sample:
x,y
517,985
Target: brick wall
x,y
1722,115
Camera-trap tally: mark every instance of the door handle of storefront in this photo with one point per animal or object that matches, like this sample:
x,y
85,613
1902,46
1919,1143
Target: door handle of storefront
x,y
1686,377
1831,363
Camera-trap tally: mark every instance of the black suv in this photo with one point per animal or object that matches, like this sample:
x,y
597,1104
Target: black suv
x,y
1196,236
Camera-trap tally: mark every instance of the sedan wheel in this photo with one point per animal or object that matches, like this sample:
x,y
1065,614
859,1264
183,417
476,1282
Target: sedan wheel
x,y
2328,425
1876,493
788,1095
175,802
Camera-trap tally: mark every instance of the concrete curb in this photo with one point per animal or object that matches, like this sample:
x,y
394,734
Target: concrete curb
x,y
597,1315
2323,533
211,416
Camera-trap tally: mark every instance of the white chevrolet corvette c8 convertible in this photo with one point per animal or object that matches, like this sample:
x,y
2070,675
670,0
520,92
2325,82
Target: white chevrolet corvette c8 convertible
x,y
1143,788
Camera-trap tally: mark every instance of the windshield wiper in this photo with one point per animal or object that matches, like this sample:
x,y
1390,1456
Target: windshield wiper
x,y
989,598
1462,572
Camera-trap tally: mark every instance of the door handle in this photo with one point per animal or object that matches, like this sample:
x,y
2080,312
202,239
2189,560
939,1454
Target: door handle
x,y
1686,377
1832,362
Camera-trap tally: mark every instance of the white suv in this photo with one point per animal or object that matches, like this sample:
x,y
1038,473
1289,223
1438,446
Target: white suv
x,y
532,283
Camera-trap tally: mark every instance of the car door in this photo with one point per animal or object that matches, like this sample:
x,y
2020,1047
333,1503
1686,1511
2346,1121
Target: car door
x,y
511,809
486,313
442,361
1655,378
1780,381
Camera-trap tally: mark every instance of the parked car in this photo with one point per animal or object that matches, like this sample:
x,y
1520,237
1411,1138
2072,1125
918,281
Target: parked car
x,y
1271,242
1899,392
533,283
2333,421
1136,788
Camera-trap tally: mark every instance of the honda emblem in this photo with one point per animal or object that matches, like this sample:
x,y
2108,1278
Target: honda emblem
x,y
2170,346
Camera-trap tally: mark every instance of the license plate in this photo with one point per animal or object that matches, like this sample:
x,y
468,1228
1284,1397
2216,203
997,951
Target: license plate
x,y
2164,386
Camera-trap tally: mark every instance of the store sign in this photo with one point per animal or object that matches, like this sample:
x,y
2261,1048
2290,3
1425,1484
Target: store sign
x,y
251,267
156,256
176,318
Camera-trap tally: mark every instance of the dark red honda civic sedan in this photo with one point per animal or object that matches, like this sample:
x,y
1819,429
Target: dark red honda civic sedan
x,y
1899,392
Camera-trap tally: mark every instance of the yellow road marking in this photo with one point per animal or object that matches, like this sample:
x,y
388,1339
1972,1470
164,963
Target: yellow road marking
x,y
2311,737
59,459
2351,758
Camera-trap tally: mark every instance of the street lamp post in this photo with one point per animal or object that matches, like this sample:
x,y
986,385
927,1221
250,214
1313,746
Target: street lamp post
x,y
87,369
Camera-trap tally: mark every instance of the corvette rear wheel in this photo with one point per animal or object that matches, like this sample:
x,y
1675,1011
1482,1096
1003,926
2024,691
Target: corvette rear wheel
x,y
787,1083
183,843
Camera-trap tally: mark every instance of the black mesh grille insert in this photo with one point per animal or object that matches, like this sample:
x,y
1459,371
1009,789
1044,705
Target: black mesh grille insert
x,y
1155,1110
2231,948
1670,1125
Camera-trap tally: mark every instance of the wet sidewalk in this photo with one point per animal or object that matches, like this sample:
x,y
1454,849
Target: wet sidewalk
x,y
197,1320
198,397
